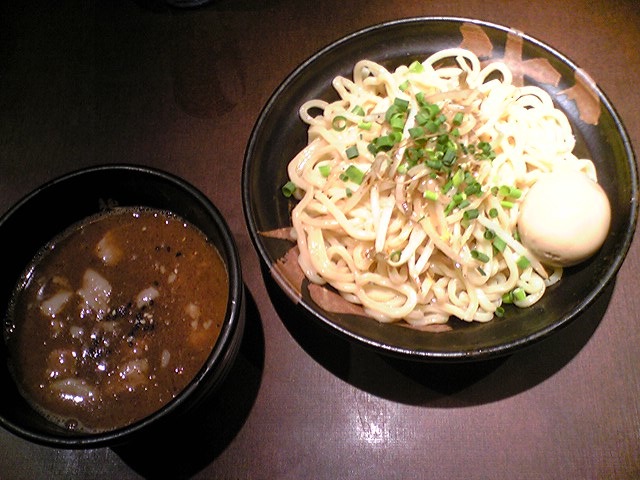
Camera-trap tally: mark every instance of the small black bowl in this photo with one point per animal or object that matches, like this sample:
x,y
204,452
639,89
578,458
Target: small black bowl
x,y
49,210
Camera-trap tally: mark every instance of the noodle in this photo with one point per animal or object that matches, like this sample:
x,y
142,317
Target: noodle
x,y
410,185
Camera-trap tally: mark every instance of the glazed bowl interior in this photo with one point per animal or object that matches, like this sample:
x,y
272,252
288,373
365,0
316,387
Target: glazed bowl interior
x,y
279,135
49,210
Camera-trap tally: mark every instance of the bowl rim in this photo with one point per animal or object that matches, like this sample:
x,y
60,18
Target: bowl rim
x,y
433,355
232,326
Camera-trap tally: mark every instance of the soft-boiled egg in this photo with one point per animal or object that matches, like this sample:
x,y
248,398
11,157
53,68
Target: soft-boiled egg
x,y
564,218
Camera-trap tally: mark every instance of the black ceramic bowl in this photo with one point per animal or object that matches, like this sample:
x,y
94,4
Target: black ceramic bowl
x,y
279,134
47,211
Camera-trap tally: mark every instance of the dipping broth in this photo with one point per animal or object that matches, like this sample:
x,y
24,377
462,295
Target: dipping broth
x,y
113,318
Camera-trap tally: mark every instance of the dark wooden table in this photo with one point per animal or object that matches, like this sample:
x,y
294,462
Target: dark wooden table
x,y
87,82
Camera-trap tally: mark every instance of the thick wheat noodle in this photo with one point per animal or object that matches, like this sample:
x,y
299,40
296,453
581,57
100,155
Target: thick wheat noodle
x,y
379,242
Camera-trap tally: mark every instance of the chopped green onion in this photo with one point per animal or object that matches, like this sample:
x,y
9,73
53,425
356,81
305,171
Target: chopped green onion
x,y
493,213
523,262
401,103
352,152
416,67
486,152
506,204
358,110
499,311
348,191
457,178
404,85
481,257
383,143
499,244
434,164
459,197
432,109
430,195
508,191
397,121
450,206
519,294
354,174
416,132
471,214
339,123
365,125
395,255
325,170
473,188
422,118
447,186
484,146
413,154
507,297
288,188
489,234
457,119
515,192
432,126
449,157
504,190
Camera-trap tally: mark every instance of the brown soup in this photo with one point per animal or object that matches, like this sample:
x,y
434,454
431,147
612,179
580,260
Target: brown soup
x,y
115,317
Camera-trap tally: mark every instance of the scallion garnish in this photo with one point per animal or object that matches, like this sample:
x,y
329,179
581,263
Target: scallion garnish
x,y
352,152
325,170
339,123
523,262
416,67
457,178
397,121
481,257
358,110
288,189
519,294
471,214
430,195
499,244
354,174
401,103
416,132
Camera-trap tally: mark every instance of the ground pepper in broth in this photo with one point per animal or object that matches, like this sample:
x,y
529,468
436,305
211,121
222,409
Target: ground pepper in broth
x,y
115,317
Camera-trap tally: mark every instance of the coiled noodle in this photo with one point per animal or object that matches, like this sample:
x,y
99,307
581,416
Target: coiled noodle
x,y
408,190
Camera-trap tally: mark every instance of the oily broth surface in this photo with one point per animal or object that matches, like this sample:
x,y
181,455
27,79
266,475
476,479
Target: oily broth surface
x,y
115,317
